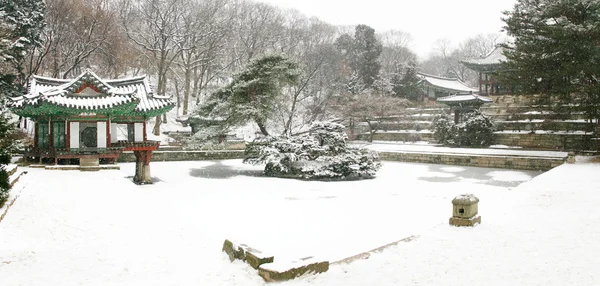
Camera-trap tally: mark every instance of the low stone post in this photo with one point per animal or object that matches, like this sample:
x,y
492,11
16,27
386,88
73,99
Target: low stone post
x,y
464,211
571,158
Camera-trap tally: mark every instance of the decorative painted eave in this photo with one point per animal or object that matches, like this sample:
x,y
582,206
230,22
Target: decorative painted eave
x,y
464,100
443,83
89,93
488,63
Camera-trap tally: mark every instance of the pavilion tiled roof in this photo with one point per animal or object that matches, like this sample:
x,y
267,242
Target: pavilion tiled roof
x,y
491,62
90,93
448,84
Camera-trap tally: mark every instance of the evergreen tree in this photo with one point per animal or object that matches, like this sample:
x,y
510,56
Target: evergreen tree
x,y
361,57
368,49
406,84
21,25
556,52
252,94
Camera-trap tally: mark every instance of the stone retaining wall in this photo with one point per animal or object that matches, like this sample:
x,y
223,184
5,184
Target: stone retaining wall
x,y
158,156
545,141
489,161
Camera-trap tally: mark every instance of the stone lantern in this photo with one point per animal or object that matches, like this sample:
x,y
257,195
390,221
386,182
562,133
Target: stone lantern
x,y
464,211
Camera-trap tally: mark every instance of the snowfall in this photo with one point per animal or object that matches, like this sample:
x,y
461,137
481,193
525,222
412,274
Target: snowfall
x,y
98,228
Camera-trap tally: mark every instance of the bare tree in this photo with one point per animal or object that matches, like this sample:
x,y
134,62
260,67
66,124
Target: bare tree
x,y
155,28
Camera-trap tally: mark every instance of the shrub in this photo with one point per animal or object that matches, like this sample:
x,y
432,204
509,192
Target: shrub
x,y
320,154
444,130
476,130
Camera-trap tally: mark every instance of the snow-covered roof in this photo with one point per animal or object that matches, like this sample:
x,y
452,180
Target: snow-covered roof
x,y
89,92
465,98
494,59
448,84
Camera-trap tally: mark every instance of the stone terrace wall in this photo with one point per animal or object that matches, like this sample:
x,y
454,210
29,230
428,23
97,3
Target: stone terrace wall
x,y
489,161
158,156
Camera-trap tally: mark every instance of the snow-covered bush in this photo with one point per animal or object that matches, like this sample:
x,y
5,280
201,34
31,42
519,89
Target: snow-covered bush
x,y
476,130
321,153
444,130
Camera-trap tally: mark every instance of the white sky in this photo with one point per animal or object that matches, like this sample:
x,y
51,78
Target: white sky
x,y
425,20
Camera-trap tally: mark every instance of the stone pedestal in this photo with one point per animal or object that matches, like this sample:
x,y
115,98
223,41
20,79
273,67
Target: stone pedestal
x,y
142,167
89,163
464,211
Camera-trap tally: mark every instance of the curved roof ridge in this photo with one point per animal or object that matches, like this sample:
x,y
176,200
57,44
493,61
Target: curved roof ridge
x,y
438,77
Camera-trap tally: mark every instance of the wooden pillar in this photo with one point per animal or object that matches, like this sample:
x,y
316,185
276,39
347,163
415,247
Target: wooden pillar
x,y
68,135
51,135
108,133
145,132
480,78
35,135
486,84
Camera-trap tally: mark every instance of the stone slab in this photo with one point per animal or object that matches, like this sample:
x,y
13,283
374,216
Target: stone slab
x,y
273,272
455,221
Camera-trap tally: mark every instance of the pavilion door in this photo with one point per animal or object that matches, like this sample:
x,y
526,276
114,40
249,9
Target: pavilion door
x,y
88,136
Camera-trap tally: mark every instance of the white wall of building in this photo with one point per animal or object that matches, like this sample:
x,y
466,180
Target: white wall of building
x,y
139,132
114,133
101,125
74,130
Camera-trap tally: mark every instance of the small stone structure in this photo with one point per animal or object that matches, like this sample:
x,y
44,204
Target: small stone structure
x,y
273,272
267,269
464,211
253,257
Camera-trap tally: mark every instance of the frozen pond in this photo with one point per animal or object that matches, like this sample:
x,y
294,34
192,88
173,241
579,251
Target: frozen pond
x,y
80,224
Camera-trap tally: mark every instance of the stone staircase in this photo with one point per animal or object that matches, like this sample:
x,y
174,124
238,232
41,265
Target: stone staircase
x,y
518,124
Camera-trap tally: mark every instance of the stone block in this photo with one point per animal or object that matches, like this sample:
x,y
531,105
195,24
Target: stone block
x,y
253,257
455,221
465,206
89,161
272,272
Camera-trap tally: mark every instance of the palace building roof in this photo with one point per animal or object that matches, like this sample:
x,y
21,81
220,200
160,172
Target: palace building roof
x,y
491,62
88,93
443,83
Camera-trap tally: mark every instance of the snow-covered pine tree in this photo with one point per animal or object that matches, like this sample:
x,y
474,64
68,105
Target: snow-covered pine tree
x,y
556,53
252,94
320,154
21,25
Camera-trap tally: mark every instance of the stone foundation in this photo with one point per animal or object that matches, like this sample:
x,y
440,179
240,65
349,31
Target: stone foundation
x,y
273,273
465,221
488,161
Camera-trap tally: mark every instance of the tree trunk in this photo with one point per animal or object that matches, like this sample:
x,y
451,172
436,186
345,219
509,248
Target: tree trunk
x,y
186,91
261,126
156,129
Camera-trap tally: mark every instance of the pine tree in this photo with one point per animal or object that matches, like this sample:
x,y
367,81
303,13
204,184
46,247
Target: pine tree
x,y
21,26
406,84
252,94
556,53
361,56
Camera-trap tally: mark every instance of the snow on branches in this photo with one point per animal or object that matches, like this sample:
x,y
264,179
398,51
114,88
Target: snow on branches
x,y
321,153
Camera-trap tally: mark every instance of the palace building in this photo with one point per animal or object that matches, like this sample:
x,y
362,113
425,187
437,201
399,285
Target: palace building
x,y
89,118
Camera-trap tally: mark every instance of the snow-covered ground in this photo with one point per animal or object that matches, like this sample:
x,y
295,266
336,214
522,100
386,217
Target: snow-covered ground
x,y
98,228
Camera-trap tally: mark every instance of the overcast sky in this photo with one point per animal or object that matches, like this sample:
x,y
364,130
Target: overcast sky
x,y
425,20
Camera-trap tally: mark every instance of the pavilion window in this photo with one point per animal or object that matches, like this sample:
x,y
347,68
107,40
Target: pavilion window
x,y
42,135
58,134
130,132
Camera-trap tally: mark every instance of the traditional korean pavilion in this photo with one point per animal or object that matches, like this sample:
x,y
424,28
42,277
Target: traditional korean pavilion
x,y
80,118
488,67
460,103
435,86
